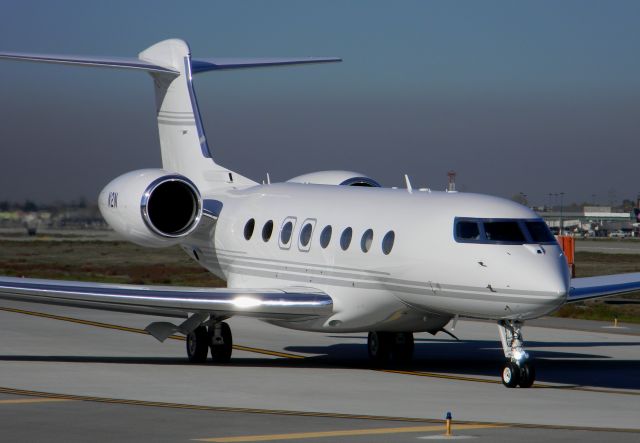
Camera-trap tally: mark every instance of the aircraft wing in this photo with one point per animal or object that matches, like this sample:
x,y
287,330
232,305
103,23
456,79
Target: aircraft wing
x,y
170,301
602,286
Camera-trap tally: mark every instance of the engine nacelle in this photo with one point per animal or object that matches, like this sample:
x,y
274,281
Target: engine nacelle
x,y
151,207
341,178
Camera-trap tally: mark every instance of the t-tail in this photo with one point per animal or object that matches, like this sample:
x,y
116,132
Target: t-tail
x,y
183,143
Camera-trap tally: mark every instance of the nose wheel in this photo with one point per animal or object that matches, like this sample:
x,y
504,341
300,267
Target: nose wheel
x,y
519,370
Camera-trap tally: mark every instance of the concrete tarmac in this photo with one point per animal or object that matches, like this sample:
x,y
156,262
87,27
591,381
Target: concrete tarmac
x,y
71,375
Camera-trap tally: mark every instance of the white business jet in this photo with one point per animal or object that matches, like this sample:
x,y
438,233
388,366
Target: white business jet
x,y
329,251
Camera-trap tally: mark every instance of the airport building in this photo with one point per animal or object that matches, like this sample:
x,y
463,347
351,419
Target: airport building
x,y
594,221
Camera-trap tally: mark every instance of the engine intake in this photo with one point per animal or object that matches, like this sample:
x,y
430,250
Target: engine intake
x,y
171,206
151,207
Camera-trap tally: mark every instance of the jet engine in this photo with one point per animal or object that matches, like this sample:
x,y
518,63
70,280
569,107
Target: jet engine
x,y
151,207
342,178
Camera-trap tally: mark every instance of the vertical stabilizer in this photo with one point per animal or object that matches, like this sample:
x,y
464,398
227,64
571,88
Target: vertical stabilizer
x,y
183,143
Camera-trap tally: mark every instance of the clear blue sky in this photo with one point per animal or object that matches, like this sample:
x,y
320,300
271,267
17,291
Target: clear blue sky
x,y
533,97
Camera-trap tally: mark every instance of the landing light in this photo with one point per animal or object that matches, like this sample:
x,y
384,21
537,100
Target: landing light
x,y
519,355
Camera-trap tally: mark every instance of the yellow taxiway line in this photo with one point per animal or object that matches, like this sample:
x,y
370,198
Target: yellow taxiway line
x,y
344,433
15,401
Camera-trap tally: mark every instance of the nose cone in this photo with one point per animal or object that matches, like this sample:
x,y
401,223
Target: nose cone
x,y
557,281
541,280
552,279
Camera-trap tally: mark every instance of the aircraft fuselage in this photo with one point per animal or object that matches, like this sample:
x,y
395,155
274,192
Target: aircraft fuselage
x,y
428,276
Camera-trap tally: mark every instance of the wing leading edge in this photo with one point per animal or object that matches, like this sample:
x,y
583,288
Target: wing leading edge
x,y
603,286
170,301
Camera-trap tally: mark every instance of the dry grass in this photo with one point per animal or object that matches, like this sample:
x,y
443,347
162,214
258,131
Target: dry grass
x,y
112,262
593,263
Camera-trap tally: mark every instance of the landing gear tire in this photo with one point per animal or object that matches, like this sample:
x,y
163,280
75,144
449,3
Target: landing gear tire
x,y
379,346
527,374
402,349
510,375
390,347
221,343
198,345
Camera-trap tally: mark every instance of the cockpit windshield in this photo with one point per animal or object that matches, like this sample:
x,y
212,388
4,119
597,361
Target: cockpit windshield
x,y
502,231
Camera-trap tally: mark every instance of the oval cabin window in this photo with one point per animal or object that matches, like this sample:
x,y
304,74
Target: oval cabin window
x,y
305,234
387,242
367,239
248,228
285,234
345,238
325,236
267,230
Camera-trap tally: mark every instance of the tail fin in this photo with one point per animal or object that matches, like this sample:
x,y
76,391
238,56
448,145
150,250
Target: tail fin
x,y
183,142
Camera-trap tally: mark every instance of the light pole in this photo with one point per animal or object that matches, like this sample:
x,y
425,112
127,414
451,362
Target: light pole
x,y
561,221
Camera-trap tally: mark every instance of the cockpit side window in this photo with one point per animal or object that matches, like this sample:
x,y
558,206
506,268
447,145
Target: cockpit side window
x,y
540,232
467,230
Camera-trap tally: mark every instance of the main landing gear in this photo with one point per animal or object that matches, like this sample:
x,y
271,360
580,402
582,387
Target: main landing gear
x,y
390,347
216,337
519,369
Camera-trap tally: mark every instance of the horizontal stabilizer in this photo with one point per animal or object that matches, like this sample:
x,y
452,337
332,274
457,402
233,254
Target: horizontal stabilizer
x,y
105,62
214,64
197,65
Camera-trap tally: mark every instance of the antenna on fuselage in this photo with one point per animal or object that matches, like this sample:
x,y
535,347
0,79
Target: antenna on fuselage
x,y
407,183
268,179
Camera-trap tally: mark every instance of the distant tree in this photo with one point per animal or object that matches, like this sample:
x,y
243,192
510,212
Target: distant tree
x,y
29,206
628,205
520,198
4,206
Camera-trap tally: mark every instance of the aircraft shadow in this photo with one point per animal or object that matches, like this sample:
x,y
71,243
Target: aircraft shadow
x,y
485,358
466,358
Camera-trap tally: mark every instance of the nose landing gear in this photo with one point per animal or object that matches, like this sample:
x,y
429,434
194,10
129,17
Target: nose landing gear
x,y
519,369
